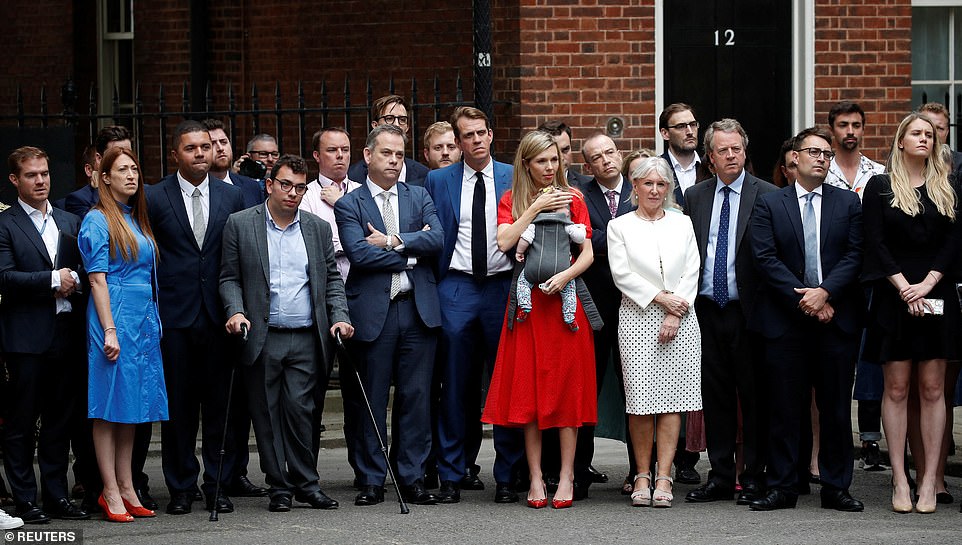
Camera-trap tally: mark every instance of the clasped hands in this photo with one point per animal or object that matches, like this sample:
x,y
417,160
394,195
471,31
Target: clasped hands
x,y
815,303
914,297
237,321
68,284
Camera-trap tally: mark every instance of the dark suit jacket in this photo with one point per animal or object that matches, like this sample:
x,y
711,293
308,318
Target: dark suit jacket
x,y
253,191
415,173
679,194
444,187
81,201
598,275
699,200
245,278
27,304
576,178
369,282
957,165
188,275
778,244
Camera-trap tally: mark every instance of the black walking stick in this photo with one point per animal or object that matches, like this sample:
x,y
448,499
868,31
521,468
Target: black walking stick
x,y
344,358
223,440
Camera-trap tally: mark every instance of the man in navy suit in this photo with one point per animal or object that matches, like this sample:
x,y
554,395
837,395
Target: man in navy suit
x,y
679,128
82,200
474,277
391,110
223,158
388,229
807,242
41,337
188,210
720,210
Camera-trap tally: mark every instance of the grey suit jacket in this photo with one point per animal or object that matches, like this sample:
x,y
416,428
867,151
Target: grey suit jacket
x,y
245,278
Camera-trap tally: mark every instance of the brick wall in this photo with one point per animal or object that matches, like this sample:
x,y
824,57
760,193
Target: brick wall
x,y
863,52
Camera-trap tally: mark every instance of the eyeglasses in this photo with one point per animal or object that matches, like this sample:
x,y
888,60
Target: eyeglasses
x,y
265,154
286,186
693,125
815,152
394,119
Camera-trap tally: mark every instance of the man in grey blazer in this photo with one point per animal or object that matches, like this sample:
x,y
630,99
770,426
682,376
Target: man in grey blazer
x,y
721,210
277,250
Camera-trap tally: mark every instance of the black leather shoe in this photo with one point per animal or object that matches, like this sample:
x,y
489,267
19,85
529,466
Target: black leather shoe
x,y
369,495
242,487
145,499
317,500
64,509
31,514
749,494
196,494
775,499
222,503
471,481
504,494
180,503
449,492
597,476
710,491
417,494
687,475
840,500
280,503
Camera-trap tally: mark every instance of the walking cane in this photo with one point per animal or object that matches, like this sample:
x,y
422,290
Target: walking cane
x,y
223,440
344,357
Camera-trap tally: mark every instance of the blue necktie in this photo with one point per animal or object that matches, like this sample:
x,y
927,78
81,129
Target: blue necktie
x,y
720,275
811,243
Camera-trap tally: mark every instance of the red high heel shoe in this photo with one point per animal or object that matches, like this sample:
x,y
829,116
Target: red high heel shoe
x,y
561,504
138,511
113,517
541,503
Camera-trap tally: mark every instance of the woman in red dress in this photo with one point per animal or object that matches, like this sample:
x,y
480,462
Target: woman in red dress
x,y
544,376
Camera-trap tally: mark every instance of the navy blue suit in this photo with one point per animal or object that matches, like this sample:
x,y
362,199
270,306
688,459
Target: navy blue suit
x,y
81,201
393,339
800,351
43,351
415,173
192,315
472,314
253,190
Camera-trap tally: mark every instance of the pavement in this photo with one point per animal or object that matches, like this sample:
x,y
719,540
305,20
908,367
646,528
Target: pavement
x,y
605,517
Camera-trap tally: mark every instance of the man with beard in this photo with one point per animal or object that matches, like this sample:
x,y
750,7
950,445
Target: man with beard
x,y
440,149
679,128
224,157
850,169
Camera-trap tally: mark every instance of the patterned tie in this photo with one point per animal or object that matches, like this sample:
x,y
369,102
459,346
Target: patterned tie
x,y
811,243
720,275
200,222
612,202
479,232
390,225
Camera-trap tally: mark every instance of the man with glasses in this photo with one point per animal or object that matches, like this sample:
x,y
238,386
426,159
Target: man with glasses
x,y
391,110
289,345
849,169
263,148
807,242
679,128
721,211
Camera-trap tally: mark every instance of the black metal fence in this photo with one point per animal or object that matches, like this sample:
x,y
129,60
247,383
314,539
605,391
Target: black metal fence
x,y
259,112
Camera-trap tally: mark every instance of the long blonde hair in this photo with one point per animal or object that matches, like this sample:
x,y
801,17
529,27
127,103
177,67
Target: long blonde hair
x,y
122,238
907,198
523,189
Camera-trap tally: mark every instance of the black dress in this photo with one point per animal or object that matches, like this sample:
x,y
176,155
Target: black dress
x,y
896,242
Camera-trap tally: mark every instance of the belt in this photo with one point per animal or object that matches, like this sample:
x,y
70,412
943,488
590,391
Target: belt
x,y
305,329
403,296
494,276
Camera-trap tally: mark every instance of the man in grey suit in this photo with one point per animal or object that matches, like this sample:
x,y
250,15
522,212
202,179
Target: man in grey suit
x,y
721,211
276,249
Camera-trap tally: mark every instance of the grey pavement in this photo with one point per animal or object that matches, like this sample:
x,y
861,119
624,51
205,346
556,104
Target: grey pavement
x,y
605,517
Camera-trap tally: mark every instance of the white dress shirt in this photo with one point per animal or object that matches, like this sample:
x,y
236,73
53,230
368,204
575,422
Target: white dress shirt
x,y
393,197
50,234
685,176
187,189
461,259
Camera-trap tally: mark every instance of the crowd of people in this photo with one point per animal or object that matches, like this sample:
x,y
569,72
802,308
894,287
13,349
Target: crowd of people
x,y
733,311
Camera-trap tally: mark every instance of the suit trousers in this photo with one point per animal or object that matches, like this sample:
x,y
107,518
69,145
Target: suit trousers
x,y
40,386
810,354
281,386
472,314
197,376
404,353
729,369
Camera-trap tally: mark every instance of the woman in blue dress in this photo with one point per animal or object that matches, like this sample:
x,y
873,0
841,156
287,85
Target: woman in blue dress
x,y
126,380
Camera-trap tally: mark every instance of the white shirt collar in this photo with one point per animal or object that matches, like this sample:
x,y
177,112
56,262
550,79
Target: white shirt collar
x,y
188,188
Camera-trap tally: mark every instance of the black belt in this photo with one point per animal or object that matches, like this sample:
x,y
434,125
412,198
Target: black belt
x,y
305,329
493,276
403,296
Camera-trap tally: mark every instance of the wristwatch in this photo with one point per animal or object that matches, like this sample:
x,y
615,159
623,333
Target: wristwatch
x,y
389,245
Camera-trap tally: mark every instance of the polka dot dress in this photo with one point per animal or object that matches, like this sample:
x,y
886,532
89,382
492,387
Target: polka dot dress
x,y
659,378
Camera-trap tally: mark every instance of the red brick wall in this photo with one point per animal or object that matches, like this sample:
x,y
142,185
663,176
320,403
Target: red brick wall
x,y
863,52
585,62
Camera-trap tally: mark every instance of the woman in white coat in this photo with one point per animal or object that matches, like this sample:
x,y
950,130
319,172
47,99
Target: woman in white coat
x,y
654,262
